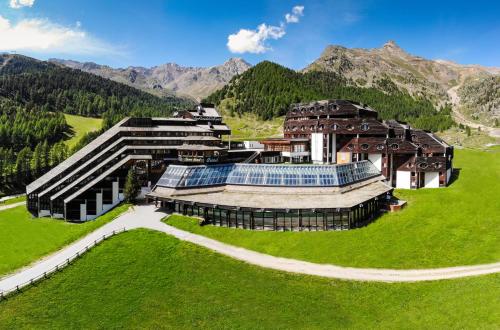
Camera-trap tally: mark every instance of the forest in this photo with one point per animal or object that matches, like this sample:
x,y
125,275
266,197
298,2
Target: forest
x,y
33,97
268,89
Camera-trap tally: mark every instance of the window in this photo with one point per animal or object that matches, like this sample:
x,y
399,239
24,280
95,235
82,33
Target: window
x,y
394,146
380,146
365,146
349,127
365,127
423,166
350,146
335,127
437,165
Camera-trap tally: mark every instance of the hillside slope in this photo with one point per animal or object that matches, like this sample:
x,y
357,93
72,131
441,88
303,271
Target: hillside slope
x,y
419,77
51,88
169,78
268,89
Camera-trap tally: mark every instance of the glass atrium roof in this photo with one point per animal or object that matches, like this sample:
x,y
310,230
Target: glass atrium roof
x,y
177,176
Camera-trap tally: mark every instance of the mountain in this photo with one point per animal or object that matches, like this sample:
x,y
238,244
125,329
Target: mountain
x,y
170,78
268,89
439,81
34,94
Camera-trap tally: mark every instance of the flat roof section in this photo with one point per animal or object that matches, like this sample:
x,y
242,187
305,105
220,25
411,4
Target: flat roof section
x,y
271,198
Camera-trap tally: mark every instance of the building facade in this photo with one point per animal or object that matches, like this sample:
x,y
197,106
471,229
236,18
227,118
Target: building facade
x,y
341,131
91,181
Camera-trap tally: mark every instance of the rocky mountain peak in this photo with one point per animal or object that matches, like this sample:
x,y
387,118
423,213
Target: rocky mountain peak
x,y
392,47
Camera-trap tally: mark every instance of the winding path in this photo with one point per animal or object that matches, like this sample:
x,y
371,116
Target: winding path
x,y
147,216
10,206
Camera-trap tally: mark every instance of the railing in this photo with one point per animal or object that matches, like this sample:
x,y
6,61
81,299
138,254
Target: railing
x,y
252,157
6,293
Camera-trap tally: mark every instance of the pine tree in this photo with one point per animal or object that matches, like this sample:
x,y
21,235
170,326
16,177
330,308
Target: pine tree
x,y
132,186
23,165
467,130
36,161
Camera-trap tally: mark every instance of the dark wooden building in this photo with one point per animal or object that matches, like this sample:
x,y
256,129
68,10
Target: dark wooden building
x,y
342,131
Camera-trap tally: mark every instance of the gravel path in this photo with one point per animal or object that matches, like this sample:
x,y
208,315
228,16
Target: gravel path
x,y
147,216
10,206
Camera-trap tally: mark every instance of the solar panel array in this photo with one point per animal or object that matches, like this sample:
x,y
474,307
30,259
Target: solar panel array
x,y
177,176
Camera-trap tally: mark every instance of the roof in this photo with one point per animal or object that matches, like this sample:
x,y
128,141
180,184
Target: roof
x,y
283,140
216,127
198,147
176,176
201,138
206,111
279,198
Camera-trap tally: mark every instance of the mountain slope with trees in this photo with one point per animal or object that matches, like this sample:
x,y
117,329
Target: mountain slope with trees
x,y
35,95
268,89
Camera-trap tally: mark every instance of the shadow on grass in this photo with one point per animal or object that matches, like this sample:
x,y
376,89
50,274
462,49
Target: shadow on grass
x,y
454,176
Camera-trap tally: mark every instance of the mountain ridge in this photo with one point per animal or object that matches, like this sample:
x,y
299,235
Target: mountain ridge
x,y
167,78
440,81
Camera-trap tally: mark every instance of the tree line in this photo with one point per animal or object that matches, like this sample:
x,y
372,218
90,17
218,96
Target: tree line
x,y
27,164
268,89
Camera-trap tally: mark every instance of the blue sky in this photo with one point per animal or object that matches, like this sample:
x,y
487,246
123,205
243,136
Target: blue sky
x,y
195,33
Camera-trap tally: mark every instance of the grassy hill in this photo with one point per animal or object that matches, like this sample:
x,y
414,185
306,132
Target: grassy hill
x,y
144,279
24,240
457,225
80,126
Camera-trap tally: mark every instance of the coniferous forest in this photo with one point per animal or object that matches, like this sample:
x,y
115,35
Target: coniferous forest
x,y
268,89
34,95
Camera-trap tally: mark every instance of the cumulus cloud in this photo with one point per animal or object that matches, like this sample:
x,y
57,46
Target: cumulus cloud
x,y
41,35
16,4
294,17
254,41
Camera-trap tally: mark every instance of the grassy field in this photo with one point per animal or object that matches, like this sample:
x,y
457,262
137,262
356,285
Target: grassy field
x,y
80,126
24,239
477,139
250,127
457,225
144,279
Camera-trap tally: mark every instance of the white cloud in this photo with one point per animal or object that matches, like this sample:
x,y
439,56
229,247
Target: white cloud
x,y
41,35
294,17
254,41
16,4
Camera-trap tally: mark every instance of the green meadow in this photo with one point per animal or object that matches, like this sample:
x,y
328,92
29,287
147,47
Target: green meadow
x,y
144,279
24,239
456,225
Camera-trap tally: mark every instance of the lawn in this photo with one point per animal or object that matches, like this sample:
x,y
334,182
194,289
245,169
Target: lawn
x,y
144,279
24,239
80,126
250,127
457,225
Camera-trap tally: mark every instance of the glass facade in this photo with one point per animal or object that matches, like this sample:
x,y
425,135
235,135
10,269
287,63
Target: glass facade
x,y
296,219
267,175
